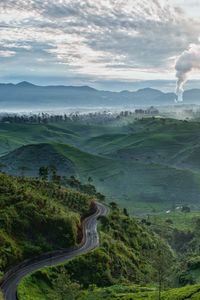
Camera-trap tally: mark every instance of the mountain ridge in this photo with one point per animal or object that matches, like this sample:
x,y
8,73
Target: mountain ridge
x,y
25,95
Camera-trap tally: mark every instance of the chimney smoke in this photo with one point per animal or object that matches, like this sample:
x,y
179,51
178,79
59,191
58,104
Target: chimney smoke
x,y
188,61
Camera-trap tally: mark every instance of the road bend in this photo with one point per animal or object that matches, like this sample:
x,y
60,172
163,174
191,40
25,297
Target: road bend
x,y
90,242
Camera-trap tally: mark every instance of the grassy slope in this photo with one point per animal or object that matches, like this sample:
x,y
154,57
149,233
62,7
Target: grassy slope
x,y
120,180
13,136
162,141
36,217
27,160
126,254
122,251
164,153
120,263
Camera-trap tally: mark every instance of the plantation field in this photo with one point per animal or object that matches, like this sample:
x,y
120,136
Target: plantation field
x,y
147,166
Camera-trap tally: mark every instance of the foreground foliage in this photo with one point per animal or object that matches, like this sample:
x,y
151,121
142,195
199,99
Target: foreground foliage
x,y
36,217
127,254
115,292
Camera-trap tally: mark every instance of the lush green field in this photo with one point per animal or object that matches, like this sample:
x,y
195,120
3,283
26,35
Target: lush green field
x,y
148,166
177,219
15,135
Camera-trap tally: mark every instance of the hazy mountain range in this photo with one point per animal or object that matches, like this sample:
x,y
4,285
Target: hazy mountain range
x,y
25,95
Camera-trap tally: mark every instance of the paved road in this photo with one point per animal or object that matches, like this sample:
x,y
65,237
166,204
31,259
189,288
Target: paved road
x,y
91,241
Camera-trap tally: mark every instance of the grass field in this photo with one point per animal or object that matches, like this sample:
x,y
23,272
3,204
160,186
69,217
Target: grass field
x,y
180,220
148,166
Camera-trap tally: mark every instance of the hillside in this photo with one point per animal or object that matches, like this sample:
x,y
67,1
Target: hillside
x,y
161,187
130,259
27,160
127,254
163,152
14,135
37,217
161,141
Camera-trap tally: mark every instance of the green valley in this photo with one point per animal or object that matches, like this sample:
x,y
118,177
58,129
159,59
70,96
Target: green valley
x,y
163,152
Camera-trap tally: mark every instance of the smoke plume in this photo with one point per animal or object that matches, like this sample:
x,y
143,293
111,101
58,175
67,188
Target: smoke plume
x,y
188,61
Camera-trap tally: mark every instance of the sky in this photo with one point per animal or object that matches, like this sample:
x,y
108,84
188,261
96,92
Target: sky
x,y
111,44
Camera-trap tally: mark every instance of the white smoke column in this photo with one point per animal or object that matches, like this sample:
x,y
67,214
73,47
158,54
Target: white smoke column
x,y
186,63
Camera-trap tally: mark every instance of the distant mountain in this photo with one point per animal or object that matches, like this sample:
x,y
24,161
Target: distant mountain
x,y
24,84
25,95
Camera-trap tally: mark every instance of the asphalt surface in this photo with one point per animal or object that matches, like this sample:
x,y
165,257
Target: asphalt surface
x,y
91,241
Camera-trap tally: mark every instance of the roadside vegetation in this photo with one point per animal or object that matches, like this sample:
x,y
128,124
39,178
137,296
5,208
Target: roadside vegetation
x,y
36,217
129,252
144,258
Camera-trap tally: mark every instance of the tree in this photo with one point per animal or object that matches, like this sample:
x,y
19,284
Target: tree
x,y
162,263
125,212
105,222
43,173
53,171
186,209
64,288
73,182
54,176
113,205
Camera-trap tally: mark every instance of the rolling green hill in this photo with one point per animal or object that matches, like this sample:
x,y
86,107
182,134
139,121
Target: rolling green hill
x,y
27,160
137,185
161,141
14,135
149,165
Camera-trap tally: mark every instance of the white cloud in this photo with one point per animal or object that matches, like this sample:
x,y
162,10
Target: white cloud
x,y
6,53
100,38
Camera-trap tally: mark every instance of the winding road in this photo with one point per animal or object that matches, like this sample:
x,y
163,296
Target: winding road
x,y
90,241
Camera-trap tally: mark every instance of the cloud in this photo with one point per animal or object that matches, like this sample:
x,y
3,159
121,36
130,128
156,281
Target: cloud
x,y
100,38
6,53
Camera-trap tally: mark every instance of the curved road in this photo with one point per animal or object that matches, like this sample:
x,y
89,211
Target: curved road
x,y
91,241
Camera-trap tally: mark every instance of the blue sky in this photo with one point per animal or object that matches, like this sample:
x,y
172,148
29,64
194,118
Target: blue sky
x,y
95,42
